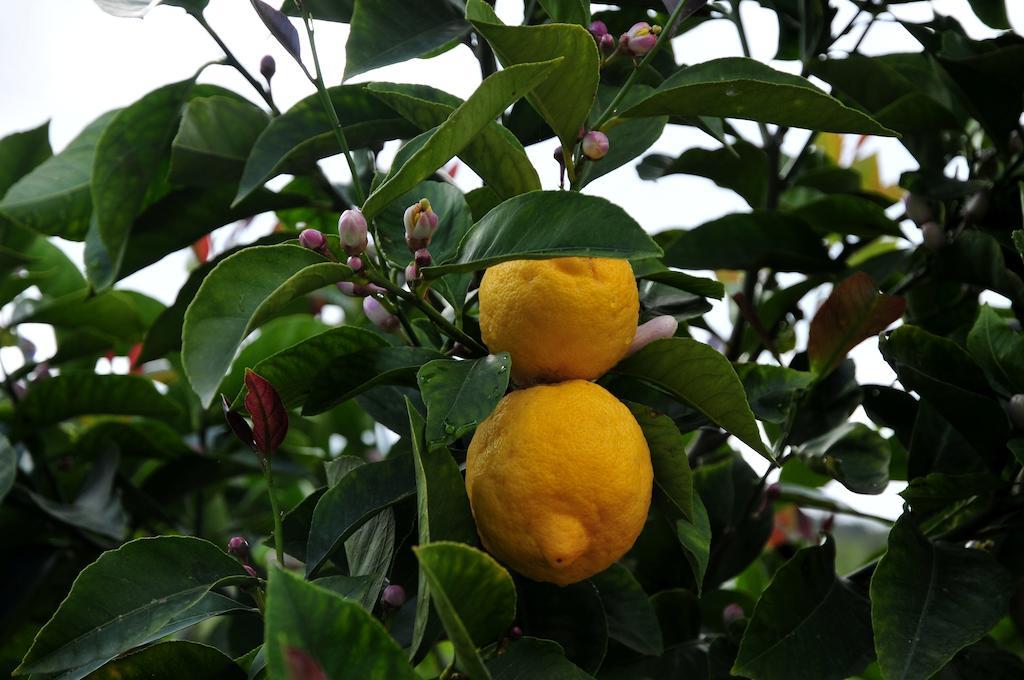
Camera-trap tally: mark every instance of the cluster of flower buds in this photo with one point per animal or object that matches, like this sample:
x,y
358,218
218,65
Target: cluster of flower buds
x,y
639,39
420,224
352,230
605,40
421,258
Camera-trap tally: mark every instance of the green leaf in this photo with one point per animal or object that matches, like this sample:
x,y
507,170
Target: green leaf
x,y
54,198
450,137
443,515
568,11
945,376
460,394
327,10
992,12
242,292
293,370
739,168
172,660
998,350
364,370
495,154
841,214
748,241
695,537
853,312
565,99
22,152
338,635
681,281
808,624
631,618
295,140
936,491
673,478
854,455
474,596
977,258
929,600
545,224
771,390
356,498
628,139
75,393
385,32
700,377
214,140
531,657
128,161
8,467
96,508
737,87
157,579
571,615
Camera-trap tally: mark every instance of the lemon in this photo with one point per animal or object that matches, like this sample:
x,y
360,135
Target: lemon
x,y
559,479
560,319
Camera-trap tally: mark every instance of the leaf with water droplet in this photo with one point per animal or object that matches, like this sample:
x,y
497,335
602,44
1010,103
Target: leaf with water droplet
x,y
459,394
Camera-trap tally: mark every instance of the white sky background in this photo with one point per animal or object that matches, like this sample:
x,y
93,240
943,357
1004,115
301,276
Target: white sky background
x,y
68,61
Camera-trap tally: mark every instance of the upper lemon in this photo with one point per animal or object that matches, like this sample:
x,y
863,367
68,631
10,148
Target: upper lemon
x,y
559,479
570,317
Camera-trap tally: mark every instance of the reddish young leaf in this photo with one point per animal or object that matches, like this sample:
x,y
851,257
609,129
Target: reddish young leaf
x,y
302,666
269,417
237,423
202,248
853,312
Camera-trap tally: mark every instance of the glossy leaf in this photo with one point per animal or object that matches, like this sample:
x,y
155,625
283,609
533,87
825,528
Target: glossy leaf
x,y
449,138
214,140
809,623
242,292
565,99
739,168
992,12
567,11
843,214
700,377
544,224
343,640
572,615
853,312
736,87
631,618
854,455
22,152
357,497
771,390
172,660
998,350
158,579
695,537
673,478
460,394
930,600
532,657
473,595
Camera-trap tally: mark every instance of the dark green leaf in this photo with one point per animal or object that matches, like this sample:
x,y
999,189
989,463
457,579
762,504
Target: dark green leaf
x,y
387,32
936,491
854,455
695,537
534,658
96,508
242,292
338,635
172,660
214,140
22,152
474,596
736,87
352,501
740,168
628,139
809,623
930,600
673,478
682,281
992,12
568,11
700,377
157,579
998,350
327,10
571,615
631,618
460,394
544,224
839,214
771,390
976,257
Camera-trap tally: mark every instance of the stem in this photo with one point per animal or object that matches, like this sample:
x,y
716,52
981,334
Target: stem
x,y
864,34
268,474
232,60
325,100
734,15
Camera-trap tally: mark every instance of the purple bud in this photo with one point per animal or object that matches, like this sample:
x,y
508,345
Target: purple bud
x,y
607,43
412,272
268,67
732,613
595,145
312,239
422,257
515,632
378,315
250,570
639,39
598,29
352,230
355,263
420,224
558,155
239,547
393,596
933,236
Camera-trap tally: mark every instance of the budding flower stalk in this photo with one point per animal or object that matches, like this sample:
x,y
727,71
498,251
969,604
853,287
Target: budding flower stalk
x,y
352,230
420,225
595,145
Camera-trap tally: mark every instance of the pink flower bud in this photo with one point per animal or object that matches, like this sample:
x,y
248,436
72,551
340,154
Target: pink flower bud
x,y
352,231
656,329
606,43
732,613
312,239
515,632
558,156
268,67
595,145
598,29
420,224
355,263
378,315
393,596
639,39
239,547
250,570
412,272
423,258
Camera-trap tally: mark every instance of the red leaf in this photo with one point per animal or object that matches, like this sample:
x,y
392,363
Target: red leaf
x,y
853,312
202,248
237,423
269,417
302,666
133,358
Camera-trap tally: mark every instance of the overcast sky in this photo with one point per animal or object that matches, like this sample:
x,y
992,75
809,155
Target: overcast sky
x,y
67,61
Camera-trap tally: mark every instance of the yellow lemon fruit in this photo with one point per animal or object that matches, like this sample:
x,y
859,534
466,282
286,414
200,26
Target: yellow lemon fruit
x,y
570,317
559,479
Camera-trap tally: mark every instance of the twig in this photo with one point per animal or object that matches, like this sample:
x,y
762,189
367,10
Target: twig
x,y
232,60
